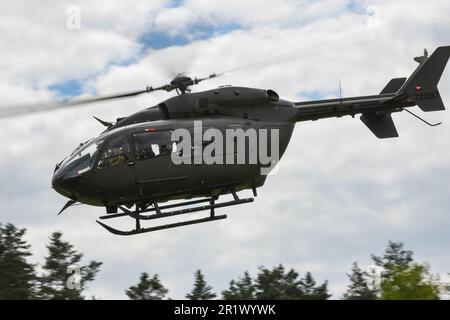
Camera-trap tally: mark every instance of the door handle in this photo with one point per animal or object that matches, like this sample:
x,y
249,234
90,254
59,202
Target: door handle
x,y
131,163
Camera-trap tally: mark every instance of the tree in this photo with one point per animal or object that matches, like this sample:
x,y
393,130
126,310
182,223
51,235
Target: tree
x,y
17,276
411,283
147,289
311,291
359,287
63,265
242,289
201,290
404,279
394,257
276,284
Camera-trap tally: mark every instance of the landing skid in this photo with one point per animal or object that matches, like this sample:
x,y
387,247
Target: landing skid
x,y
138,214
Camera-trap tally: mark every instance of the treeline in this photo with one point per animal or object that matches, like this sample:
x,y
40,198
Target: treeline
x,y
58,280
395,275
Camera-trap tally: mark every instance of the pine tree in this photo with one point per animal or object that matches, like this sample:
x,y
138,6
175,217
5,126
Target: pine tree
x,y
147,289
17,276
201,290
359,287
277,284
394,257
62,258
242,289
311,291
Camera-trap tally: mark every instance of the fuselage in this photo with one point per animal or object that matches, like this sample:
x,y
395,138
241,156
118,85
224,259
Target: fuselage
x,y
132,162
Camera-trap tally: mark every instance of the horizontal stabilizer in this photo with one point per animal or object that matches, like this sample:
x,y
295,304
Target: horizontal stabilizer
x,y
382,126
393,86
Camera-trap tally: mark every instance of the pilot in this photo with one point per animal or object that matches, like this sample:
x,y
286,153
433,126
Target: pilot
x,y
119,158
144,152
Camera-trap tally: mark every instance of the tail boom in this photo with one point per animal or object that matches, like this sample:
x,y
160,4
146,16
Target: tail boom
x,y
419,89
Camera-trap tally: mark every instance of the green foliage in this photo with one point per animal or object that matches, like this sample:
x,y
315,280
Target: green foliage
x,y
201,290
242,289
276,284
54,282
17,276
402,278
147,289
413,282
311,291
394,257
362,286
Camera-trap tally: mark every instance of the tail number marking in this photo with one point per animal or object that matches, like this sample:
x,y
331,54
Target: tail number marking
x,y
426,96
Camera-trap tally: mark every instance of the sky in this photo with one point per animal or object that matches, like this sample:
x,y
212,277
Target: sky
x,y
340,193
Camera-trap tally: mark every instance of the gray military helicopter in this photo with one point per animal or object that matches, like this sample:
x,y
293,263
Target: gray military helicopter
x,y
128,169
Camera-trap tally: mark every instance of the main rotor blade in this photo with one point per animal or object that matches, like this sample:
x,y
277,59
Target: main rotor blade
x,y
11,111
329,45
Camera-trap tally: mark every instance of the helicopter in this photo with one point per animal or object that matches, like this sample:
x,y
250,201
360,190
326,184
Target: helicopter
x,y
129,169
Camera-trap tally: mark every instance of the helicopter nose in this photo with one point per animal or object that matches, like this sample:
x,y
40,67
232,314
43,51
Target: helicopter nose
x,y
63,185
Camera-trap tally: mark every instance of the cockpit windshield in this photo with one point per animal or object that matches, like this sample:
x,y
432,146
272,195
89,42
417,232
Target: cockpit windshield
x,y
83,157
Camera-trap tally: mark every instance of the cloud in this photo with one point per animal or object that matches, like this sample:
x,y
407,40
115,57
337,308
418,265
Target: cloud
x,y
38,48
340,195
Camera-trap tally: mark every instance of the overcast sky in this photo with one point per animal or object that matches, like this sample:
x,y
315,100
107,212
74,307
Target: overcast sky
x,y
340,193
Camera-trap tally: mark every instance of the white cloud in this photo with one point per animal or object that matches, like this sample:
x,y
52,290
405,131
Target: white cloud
x,y
38,48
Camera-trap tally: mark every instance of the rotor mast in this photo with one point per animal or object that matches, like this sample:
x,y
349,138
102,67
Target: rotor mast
x,y
181,84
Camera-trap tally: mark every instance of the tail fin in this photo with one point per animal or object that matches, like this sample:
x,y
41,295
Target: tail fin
x,y
421,86
393,85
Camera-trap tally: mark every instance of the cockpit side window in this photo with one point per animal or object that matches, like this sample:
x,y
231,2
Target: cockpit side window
x,y
148,145
116,152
